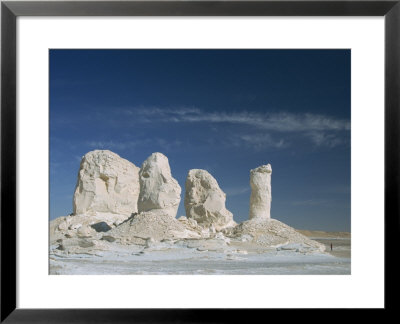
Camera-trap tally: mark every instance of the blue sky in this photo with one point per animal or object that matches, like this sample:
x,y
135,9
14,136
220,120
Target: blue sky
x,y
226,111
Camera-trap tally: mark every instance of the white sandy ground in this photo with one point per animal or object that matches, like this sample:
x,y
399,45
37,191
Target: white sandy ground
x,y
154,243
189,257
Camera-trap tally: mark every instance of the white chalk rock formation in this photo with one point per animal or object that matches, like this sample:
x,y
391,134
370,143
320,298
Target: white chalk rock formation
x,y
205,201
158,189
260,198
106,183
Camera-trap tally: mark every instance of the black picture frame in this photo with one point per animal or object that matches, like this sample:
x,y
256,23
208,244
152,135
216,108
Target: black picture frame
x,y
10,10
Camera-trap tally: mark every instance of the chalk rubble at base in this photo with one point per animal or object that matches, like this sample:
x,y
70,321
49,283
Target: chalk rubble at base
x,y
118,206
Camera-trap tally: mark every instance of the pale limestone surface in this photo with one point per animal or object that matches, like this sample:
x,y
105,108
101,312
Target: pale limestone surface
x,y
205,201
260,198
158,189
106,183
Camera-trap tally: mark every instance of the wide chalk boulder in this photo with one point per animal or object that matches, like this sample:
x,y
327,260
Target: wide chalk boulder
x,y
158,189
106,183
205,201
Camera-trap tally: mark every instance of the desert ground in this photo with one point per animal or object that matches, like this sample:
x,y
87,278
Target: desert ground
x,y
210,257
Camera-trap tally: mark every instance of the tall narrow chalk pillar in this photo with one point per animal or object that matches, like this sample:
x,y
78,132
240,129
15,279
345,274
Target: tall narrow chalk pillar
x,y
260,199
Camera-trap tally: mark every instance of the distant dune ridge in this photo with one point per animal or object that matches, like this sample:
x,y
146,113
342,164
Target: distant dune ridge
x,y
324,234
117,204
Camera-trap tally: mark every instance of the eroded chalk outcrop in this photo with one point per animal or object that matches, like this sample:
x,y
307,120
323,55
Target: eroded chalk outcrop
x,y
260,198
106,183
205,201
158,189
116,205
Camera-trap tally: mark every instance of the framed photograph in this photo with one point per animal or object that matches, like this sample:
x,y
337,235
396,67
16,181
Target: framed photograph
x,y
143,142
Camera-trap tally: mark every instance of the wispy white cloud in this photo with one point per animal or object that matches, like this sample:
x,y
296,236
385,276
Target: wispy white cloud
x,y
324,139
239,139
280,122
257,130
262,141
